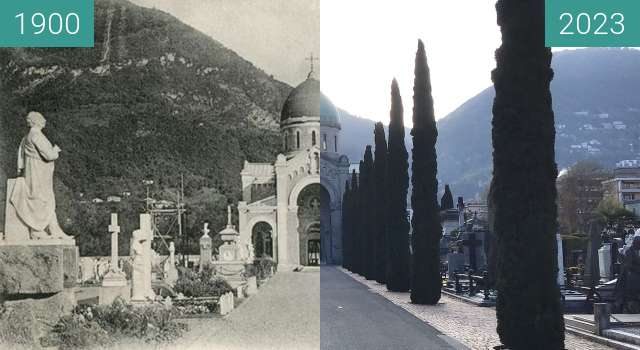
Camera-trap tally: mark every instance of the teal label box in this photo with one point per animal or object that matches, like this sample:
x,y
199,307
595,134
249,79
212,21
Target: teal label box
x,y
46,23
592,23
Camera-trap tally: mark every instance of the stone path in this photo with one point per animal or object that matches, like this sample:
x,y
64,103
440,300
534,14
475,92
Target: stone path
x,y
284,315
351,317
472,325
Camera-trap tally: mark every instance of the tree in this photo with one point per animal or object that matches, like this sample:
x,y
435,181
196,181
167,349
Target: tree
x,y
446,202
368,237
523,194
380,202
353,222
426,283
579,192
346,229
398,276
359,222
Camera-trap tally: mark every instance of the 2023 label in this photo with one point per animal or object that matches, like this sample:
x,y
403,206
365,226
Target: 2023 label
x,y
598,24
47,23
592,23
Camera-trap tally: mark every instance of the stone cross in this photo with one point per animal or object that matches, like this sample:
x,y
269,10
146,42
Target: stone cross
x,y
114,229
471,242
311,59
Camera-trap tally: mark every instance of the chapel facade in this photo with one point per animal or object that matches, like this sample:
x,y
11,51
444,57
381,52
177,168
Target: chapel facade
x,y
291,210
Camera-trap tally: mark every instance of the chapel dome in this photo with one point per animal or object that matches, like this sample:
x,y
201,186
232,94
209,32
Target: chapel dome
x,y
306,101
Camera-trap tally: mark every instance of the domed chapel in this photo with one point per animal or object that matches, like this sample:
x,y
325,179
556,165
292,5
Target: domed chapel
x,y
291,209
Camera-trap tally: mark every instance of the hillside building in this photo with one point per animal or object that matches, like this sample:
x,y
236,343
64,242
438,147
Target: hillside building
x,y
625,184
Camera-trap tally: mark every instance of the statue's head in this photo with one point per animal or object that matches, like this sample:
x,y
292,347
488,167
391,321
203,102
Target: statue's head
x,y
35,119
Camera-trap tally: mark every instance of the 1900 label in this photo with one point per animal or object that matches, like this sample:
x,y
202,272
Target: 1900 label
x,y
47,23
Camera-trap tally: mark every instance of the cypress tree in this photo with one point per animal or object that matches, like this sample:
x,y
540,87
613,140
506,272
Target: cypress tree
x,y
426,282
353,222
398,260
380,202
446,202
368,237
524,182
360,221
346,234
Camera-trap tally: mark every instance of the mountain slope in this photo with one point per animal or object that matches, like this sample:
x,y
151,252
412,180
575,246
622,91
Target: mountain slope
x,y
154,99
597,117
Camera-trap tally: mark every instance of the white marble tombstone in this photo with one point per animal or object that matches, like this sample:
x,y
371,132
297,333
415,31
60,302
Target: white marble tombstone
x,y
141,250
561,276
170,270
206,248
604,260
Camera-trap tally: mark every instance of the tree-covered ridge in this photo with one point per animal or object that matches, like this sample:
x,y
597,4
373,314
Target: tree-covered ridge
x,y
152,100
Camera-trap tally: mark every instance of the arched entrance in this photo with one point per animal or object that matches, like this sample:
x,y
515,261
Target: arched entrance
x,y
309,204
261,239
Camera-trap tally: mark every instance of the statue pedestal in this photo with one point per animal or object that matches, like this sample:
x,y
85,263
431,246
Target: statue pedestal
x,y
114,284
37,267
231,271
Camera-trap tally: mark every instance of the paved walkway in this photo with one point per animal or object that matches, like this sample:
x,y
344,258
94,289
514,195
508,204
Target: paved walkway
x,y
472,325
284,315
352,317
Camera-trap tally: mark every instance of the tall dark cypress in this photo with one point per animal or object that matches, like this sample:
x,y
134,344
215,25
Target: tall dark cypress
x,y
353,222
446,202
398,260
426,282
524,182
346,234
360,220
368,237
380,202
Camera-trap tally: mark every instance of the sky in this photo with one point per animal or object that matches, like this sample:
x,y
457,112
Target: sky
x,y
365,44
275,35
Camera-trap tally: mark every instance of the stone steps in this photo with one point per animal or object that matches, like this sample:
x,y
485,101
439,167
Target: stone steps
x,y
623,335
580,324
618,345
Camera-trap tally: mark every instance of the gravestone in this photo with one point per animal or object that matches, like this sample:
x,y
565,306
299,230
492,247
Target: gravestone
x,y
604,261
114,282
561,276
474,252
170,270
230,264
252,286
455,263
206,249
141,290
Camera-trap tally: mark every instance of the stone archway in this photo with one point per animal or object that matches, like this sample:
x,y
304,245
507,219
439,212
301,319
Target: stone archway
x,y
309,203
262,240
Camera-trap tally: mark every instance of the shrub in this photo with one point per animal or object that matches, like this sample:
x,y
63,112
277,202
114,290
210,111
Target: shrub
x,y
76,332
201,284
264,267
91,326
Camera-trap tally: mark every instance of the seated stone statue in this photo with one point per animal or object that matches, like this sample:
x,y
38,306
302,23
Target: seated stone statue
x,y
32,196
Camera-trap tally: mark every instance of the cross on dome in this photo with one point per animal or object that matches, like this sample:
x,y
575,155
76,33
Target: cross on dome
x,y
311,58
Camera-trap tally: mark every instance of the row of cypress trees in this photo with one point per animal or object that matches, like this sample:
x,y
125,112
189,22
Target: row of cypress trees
x,y
375,220
522,195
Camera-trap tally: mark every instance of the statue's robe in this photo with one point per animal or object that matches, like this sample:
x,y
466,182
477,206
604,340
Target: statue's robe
x,y
33,196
